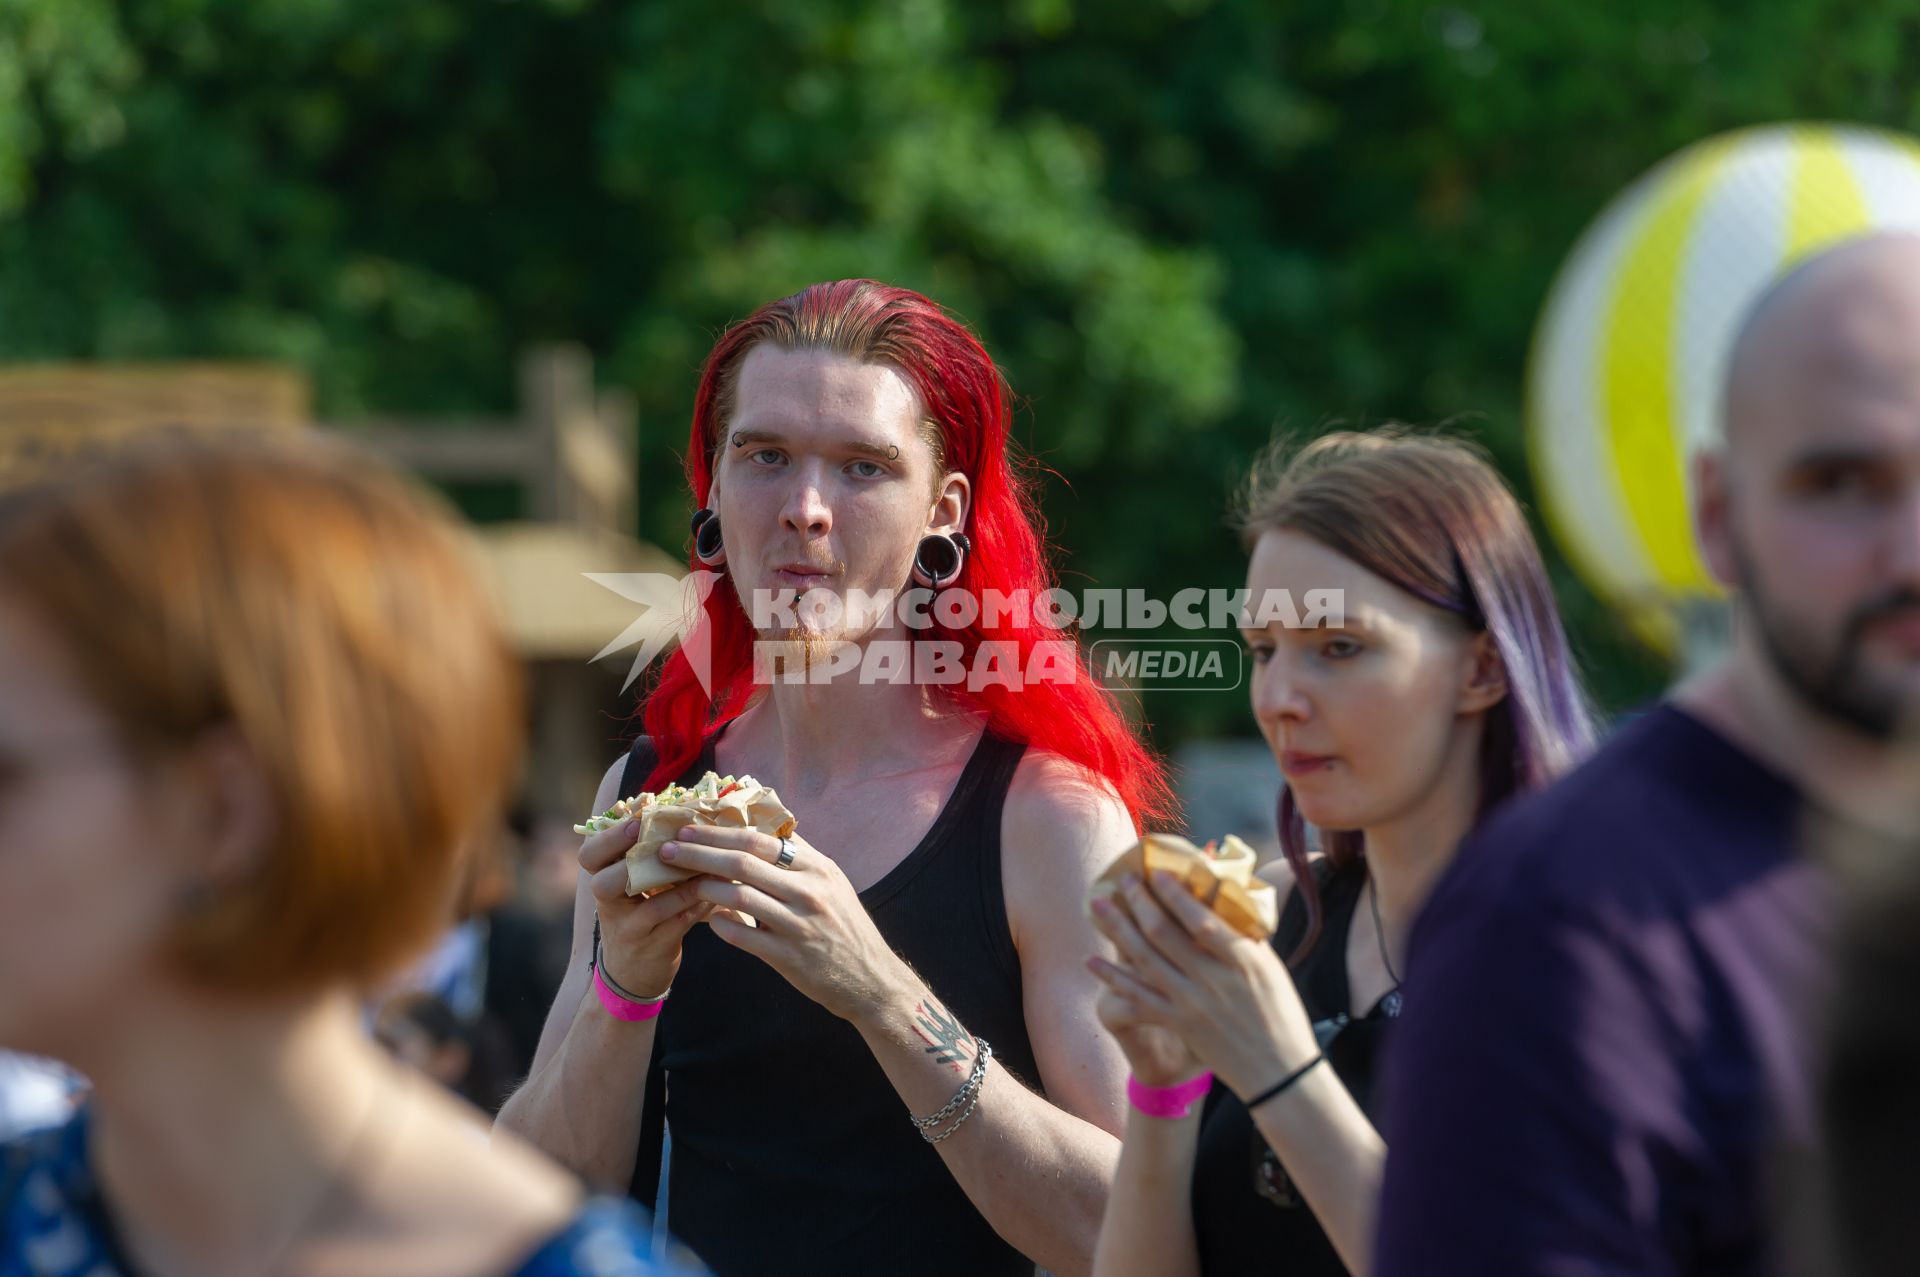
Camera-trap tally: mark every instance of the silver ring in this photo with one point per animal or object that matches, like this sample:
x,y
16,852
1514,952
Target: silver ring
x,y
785,858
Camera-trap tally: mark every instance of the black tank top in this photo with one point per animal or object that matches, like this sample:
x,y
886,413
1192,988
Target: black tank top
x,y
792,1153
1248,1216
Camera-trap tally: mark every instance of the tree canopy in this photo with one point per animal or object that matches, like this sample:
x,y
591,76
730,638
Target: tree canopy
x,y
1181,225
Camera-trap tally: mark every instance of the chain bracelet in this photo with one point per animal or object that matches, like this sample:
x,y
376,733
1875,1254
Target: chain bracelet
x,y
971,1084
968,1094
958,1122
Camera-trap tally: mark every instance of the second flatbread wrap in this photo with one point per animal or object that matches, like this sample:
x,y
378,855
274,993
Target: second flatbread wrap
x,y
1222,879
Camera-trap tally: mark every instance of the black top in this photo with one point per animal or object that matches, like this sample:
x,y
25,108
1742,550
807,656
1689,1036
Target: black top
x,y
792,1152
1247,1214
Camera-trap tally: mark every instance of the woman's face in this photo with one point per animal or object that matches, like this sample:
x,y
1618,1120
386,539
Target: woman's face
x,y
89,873
823,481
1362,716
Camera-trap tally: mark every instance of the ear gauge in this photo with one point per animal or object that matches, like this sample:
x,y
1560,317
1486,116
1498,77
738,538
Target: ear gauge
x,y
707,544
939,558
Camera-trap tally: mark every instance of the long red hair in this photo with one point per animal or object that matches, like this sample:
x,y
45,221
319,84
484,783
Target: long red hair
x,y
966,403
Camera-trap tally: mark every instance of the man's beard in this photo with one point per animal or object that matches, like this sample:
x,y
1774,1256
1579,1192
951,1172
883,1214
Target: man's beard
x,y
797,644
816,636
799,648
1838,684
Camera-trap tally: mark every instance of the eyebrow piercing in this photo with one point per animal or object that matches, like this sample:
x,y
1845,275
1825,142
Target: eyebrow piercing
x,y
739,441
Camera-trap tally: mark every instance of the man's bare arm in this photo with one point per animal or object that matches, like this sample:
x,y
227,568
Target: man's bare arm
x,y
1037,1167
582,1102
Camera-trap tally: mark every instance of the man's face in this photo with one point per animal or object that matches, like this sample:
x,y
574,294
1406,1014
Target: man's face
x,y
825,483
1822,495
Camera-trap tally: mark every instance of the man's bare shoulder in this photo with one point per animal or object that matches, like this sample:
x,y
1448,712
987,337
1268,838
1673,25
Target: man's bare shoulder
x,y
1062,825
1056,802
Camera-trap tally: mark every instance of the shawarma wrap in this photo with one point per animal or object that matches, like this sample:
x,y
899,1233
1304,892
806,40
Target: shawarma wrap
x,y
726,802
1221,878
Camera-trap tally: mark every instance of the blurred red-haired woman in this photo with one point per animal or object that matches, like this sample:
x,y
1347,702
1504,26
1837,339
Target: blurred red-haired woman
x,y
851,441
254,709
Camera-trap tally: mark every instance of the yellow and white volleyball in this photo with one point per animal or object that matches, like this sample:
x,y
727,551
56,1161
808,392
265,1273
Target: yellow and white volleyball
x,y
1630,356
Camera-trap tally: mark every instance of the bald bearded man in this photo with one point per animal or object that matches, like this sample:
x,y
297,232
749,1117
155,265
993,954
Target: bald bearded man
x,y
1604,1060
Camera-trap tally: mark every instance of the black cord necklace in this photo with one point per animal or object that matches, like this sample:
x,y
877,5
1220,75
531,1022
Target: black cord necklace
x,y
1380,933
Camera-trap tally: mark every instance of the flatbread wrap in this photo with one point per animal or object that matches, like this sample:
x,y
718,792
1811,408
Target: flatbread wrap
x,y
1221,878
728,802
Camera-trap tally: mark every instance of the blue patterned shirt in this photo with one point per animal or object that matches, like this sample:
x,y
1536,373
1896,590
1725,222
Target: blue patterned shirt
x,y
53,1223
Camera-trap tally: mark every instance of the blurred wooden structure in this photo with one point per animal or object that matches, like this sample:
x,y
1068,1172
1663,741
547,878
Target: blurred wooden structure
x,y
570,450
51,412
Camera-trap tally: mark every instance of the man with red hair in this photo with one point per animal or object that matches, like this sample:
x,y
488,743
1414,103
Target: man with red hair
x,y
847,442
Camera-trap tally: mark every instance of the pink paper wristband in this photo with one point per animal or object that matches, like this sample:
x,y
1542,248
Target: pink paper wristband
x,y
622,1009
1167,1101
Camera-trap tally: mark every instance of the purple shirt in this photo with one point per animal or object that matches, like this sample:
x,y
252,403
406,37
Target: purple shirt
x,y
1601,1051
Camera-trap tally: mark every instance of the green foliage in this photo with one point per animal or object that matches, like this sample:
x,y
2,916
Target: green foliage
x,y
1180,224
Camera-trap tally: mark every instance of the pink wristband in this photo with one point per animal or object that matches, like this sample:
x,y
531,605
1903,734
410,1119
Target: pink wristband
x,y
621,1008
1167,1101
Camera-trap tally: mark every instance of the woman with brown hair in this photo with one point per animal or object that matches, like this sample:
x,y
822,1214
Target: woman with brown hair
x,y
1443,686
255,709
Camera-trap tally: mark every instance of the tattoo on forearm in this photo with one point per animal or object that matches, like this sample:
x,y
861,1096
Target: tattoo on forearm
x,y
948,1042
